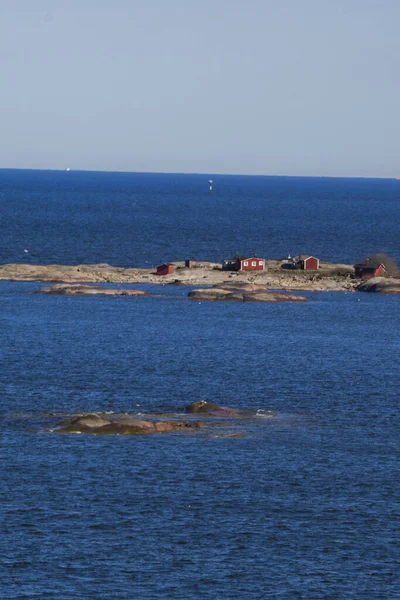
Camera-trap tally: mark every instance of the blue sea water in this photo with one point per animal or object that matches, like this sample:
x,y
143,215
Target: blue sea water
x,y
133,219
306,505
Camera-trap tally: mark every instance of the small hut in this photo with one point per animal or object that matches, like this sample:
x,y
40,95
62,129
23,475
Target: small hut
x,y
165,269
306,262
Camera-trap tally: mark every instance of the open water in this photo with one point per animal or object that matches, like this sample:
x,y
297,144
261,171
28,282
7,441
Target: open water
x,y
131,219
306,505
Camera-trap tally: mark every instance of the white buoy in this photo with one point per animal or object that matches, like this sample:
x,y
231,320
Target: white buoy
x,y
210,181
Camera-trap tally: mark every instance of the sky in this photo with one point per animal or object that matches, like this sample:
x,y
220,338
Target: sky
x,y
267,87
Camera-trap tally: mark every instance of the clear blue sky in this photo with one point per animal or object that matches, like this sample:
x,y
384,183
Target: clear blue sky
x,y
272,87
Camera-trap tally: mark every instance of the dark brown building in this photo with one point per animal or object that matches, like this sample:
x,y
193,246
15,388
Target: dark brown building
x,y
370,267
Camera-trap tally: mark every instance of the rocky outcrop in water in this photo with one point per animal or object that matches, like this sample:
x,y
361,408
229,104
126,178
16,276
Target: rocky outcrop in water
x,y
241,286
62,289
202,407
82,424
383,285
97,425
226,295
273,297
227,421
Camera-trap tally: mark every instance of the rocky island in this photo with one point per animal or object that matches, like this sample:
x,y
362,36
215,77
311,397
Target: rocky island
x,y
239,286
329,277
138,424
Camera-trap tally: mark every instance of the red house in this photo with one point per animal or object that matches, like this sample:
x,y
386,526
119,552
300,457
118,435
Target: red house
x,y
370,267
250,264
239,263
165,269
305,262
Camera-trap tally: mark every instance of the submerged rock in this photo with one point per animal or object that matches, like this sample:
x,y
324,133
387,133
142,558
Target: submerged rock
x,y
208,408
232,436
383,285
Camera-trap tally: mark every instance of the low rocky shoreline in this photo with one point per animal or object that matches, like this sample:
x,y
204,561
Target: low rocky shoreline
x,y
382,285
330,277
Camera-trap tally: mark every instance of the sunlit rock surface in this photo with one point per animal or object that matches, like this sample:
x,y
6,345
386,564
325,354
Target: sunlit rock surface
x,y
233,295
62,289
97,425
383,285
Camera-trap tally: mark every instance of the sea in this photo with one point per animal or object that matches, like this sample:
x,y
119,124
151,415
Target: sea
x,y
298,500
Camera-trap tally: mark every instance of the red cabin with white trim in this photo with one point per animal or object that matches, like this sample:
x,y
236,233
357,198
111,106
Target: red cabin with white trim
x,y
240,263
250,264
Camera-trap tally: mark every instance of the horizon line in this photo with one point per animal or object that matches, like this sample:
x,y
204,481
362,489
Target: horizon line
x,y
205,173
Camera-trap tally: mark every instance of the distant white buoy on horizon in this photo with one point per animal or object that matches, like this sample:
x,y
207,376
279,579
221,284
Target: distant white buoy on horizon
x,y
67,169
210,182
